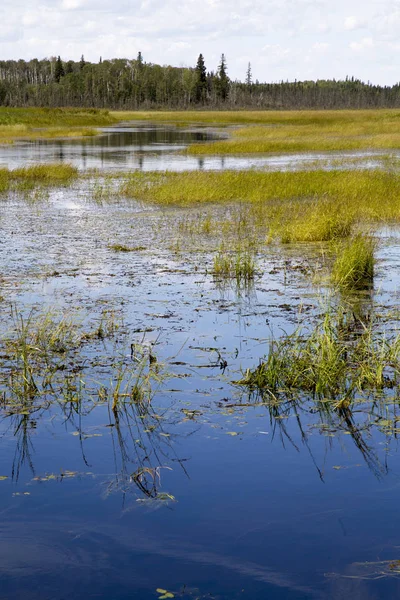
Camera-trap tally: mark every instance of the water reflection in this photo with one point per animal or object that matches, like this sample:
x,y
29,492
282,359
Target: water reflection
x,y
157,147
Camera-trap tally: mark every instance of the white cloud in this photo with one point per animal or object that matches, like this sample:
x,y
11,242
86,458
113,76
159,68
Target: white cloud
x,y
320,46
71,4
352,23
283,39
366,43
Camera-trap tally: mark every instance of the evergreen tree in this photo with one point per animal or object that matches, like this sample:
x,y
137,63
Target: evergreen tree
x,y
59,70
82,62
222,79
201,80
249,77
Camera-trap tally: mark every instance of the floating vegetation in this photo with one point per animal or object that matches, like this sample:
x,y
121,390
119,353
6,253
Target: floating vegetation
x,y
123,248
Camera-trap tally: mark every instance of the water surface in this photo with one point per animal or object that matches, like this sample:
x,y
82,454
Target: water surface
x,y
152,147
241,499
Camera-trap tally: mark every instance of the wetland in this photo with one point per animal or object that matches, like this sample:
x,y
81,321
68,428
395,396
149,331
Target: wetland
x,y
199,374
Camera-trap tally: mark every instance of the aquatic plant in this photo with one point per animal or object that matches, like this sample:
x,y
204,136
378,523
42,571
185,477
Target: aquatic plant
x,y
239,265
328,363
354,264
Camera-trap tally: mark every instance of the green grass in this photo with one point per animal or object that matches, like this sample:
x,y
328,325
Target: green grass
x,y
28,178
288,131
238,265
354,264
294,206
331,363
32,123
123,248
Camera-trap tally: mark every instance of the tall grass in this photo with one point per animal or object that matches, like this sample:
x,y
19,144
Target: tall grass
x,y
295,206
27,178
327,363
239,265
354,264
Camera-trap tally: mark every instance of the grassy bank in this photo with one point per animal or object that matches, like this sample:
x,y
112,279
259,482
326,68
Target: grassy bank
x,y
32,123
27,178
288,131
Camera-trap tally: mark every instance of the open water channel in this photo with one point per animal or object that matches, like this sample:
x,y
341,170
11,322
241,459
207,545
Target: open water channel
x,y
204,493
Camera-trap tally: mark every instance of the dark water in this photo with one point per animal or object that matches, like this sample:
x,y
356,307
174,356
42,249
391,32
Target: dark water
x,y
159,147
243,501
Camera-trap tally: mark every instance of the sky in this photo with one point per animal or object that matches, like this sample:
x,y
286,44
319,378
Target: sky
x,y
282,39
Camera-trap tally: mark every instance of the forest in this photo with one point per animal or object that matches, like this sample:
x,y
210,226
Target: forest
x,y
136,84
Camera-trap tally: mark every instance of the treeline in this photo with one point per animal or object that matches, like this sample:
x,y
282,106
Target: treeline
x,y
136,84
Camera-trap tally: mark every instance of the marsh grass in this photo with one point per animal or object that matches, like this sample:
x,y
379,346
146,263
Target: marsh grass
x,y
123,248
288,131
26,179
354,264
317,221
45,356
338,361
32,123
309,206
238,265
374,192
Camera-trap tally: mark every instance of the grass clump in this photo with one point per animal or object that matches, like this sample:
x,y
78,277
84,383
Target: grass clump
x,y
29,178
334,362
237,265
354,264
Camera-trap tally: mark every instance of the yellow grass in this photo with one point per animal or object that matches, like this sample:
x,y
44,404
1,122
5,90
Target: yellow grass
x,y
288,131
295,206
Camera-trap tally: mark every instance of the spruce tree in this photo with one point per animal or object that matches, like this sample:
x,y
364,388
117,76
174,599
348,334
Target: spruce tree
x,y
59,70
201,79
249,77
222,79
82,62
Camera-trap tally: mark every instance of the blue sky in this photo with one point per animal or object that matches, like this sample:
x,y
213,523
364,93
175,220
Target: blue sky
x,y
283,39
